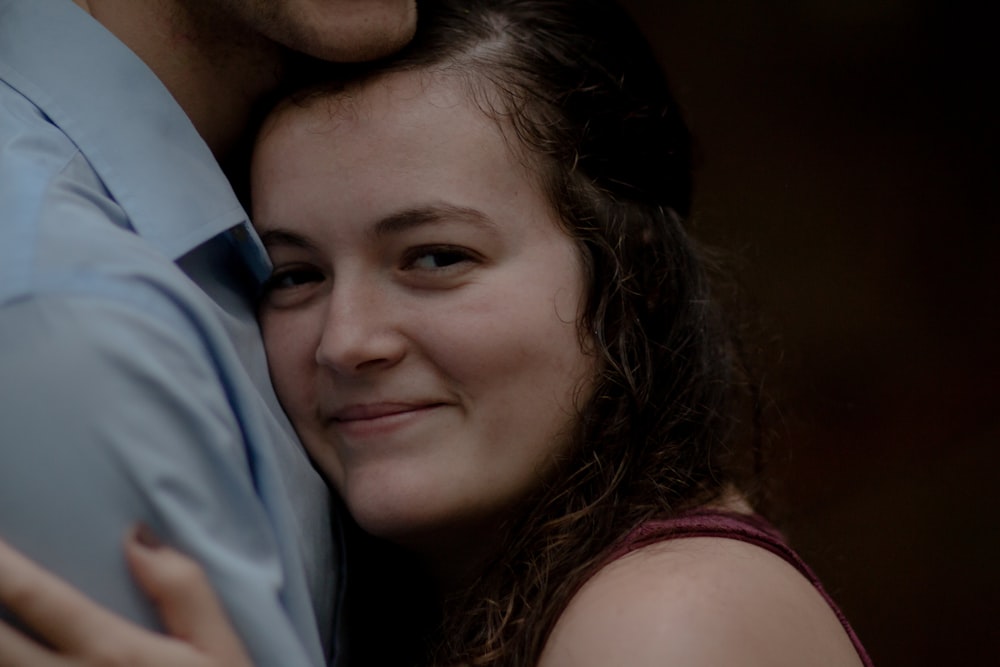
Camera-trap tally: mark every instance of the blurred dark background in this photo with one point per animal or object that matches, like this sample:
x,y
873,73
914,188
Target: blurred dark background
x,y
848,157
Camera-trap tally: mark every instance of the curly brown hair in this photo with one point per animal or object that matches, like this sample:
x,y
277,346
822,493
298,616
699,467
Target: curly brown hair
x,y
579,94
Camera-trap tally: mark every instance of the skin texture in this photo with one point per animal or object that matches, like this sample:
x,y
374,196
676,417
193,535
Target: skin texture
x,y
78,632
220,57
423,296
698,602
335,30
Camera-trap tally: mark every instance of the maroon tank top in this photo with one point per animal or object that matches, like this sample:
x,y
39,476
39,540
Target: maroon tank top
x,y
751,528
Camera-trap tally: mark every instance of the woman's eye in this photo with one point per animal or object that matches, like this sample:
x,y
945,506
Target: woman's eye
x,y
291,278
437,258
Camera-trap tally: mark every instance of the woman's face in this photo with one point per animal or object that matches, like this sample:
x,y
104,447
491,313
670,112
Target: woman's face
x,y
421,322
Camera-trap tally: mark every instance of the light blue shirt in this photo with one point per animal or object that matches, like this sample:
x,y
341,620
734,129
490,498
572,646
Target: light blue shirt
x,y
133,383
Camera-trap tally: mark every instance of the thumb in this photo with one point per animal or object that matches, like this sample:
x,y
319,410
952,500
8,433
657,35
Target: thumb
x,y
181,592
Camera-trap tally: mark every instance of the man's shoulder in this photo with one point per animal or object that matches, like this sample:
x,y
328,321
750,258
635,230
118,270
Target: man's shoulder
x,y
33,153
61,227
25,130
89,187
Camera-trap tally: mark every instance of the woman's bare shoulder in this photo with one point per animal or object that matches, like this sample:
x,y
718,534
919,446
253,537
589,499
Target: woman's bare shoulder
x,y
699,601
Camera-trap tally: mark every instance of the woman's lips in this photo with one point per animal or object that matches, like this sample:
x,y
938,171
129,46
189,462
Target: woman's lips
x,y
379,418
373,410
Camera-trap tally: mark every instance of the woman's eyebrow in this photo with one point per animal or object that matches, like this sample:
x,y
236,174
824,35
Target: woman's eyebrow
x,y
394,223
410,218
283,237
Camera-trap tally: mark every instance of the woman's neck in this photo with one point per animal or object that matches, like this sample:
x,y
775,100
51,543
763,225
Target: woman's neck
x,y
454,558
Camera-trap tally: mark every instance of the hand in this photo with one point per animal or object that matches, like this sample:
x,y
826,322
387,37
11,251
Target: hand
x,y
80,632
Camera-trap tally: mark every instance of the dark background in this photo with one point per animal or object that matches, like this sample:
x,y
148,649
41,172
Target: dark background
x,y
848,157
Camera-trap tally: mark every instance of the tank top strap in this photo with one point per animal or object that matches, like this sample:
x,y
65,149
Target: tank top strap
x,y
750,528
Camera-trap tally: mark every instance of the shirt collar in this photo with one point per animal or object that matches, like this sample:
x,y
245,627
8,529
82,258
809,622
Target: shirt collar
x,y
125,122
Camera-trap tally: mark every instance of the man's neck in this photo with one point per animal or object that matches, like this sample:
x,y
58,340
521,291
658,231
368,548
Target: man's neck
x,y
216,71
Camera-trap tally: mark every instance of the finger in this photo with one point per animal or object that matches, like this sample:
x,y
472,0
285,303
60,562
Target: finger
x,y
179,589
55,611
17,650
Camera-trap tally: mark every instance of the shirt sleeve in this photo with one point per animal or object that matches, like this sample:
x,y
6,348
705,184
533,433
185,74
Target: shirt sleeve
x,y
112,411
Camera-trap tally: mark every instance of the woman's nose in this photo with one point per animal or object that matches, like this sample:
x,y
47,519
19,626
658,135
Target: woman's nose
x,y
359,333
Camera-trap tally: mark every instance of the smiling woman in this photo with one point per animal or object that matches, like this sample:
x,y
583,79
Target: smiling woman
x,y
423,294
497,341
